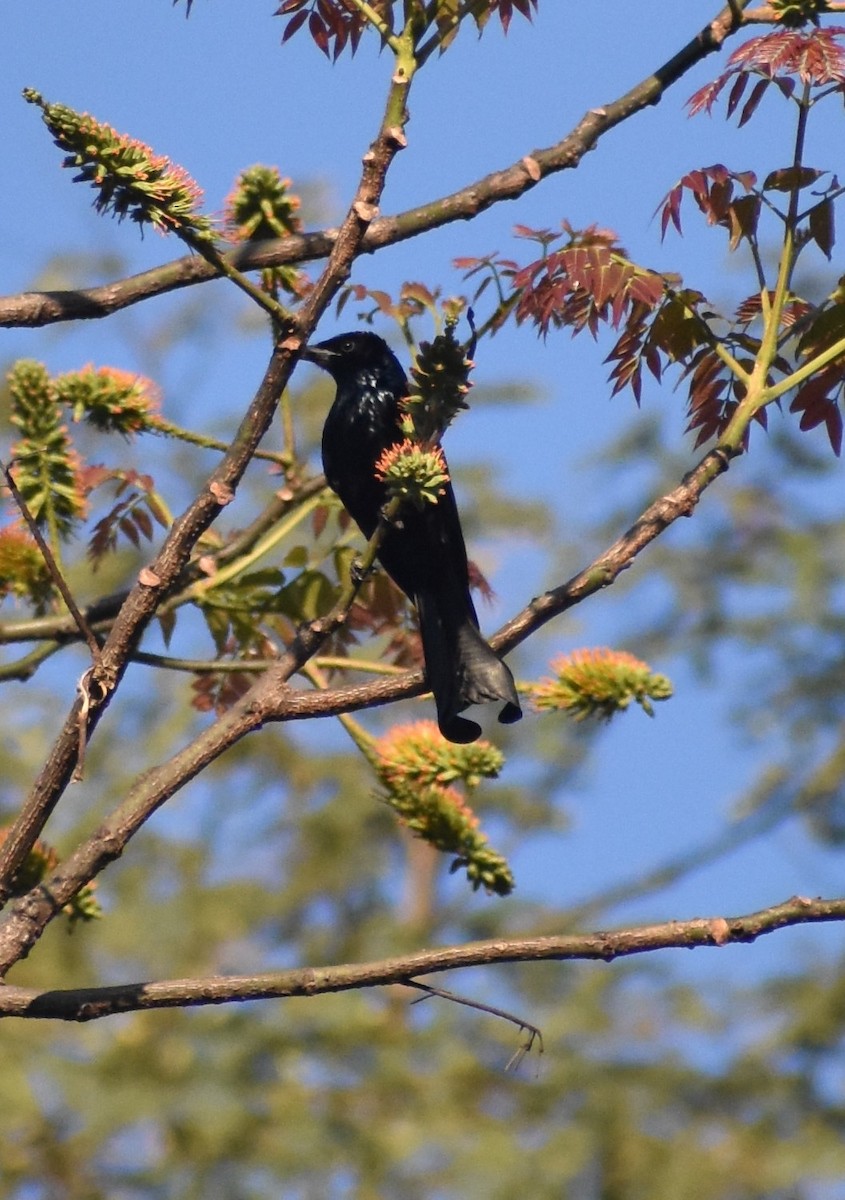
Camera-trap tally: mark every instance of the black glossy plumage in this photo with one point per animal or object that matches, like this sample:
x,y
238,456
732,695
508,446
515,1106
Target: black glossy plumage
x,y
424,551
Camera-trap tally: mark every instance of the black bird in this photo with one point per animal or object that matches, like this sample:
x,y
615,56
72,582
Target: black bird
x,y
423,550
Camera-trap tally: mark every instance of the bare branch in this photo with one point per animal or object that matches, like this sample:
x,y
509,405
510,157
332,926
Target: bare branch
x,y
87,1004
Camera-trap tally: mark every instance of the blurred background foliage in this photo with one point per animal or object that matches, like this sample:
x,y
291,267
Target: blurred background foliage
x,y
660,1080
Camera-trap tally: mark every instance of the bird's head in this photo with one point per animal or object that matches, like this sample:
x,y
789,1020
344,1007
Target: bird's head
x,y
348,353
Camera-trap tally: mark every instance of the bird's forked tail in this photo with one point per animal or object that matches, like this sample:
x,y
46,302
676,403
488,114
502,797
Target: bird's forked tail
x,y
462,669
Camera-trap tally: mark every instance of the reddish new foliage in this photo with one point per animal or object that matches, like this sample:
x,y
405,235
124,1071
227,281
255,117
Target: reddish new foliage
x,y
587,282
714,190
783,58
819,402
334,24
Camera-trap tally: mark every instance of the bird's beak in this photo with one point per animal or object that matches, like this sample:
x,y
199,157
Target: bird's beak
x,y
319,355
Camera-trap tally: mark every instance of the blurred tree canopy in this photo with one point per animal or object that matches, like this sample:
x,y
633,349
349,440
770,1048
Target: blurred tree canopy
x,y
220,776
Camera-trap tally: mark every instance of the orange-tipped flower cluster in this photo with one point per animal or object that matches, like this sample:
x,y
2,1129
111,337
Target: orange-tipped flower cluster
x,y
131,179
260,206
419,769
44,464
600,683
23,571
109,399
413,473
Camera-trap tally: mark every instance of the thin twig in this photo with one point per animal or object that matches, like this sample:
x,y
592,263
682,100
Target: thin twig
x,y
52,566
534,1032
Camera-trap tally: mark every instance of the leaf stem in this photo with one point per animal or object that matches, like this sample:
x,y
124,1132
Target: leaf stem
x,y
167,428
263,546
378,23
210,252
759,392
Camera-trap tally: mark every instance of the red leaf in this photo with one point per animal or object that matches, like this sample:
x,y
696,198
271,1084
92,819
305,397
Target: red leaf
x,y
127,527
296,22
672,211
749,309
817,402
319,519
743,216
319,33
144,524
750,106
340,39
737,92
704,99
814,57
167,623
652,361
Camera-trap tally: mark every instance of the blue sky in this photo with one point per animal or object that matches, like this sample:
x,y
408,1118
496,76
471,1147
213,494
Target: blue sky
x,y
219,92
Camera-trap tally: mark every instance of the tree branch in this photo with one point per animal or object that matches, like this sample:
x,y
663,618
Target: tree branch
x,y
271,699
87,1004
100,613
44,308
158,580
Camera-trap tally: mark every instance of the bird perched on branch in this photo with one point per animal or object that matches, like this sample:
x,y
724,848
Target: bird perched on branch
x,y
423,549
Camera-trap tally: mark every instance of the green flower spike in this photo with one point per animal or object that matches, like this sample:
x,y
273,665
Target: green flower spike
x,y
418,769
131,180
600,683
